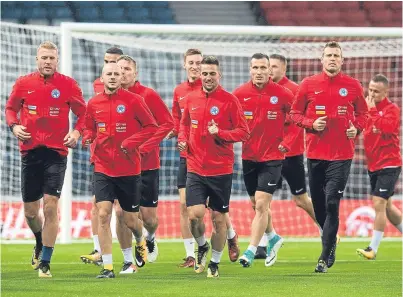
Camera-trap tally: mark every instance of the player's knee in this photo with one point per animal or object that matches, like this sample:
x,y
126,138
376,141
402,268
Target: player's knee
x,y
150,221
219,220
104,216
50,210
379,204
119,213
332,208
300,201
31,214
183,210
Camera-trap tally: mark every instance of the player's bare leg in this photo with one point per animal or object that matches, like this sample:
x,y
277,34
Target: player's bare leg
x,y
304,201
394,215
105,237
135,225
232,238
95,256
196,215
260,222
34,221
218,239
380,205
49,233
150,222
125,237
188,240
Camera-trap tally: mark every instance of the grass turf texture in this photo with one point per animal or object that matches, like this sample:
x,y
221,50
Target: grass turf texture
x,y
292,275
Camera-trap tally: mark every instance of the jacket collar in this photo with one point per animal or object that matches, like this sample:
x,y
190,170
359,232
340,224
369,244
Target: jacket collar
x,y
283,81
381,105
268,84
332,78
196,83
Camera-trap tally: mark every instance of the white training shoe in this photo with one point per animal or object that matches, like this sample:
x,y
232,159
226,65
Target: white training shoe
x,y
128,268
152,249
272,250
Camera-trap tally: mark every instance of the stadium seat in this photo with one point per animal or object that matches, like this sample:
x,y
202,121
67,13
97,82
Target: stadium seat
x,y
113,14
395,5
382,16
271,5
374,6
275,17
135,13
308,15
353,17
324,16
88,15
301,6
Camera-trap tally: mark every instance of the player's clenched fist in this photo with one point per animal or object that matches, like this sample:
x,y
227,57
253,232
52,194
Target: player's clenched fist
x,y
182,146
320,123
213,128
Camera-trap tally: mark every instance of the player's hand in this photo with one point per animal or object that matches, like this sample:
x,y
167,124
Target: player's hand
x,y
320,124
370,102
213,128
282,149
19,132
124,150
182,146
351,132
71,139
170,135
86,142
375,130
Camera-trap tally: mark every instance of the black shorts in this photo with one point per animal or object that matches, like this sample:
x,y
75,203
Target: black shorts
x,y
182,172
42,172
150,181
383,181
216,188
261,176
127,189
293,172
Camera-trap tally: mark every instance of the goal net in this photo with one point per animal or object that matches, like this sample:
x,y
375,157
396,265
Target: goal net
x,y
160,65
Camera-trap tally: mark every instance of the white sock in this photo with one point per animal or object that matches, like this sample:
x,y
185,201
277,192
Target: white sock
x,y
252,248
271,234
376,240
230,233
399,227
263,241
320,230
107,259
150,236
128,255
189,247
201,240
97,246
216,256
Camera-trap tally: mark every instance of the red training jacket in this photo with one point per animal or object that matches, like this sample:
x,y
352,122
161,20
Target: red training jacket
x,y
112,121
210,155
265,111
383,149
150,150
178,106
44,106
291,129
341,99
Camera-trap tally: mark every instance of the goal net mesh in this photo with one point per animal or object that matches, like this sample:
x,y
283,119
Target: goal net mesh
x,y
160,65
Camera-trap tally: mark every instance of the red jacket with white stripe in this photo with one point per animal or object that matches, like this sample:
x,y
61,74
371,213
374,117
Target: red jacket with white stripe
x,y
178,105
150,150
291,129
341,99
118,120
265,111
211,155
383,147
44,106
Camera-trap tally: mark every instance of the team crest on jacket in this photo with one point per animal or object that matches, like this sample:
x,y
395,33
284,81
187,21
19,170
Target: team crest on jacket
x,y
343,92
55,93
121,108
214,110
273,99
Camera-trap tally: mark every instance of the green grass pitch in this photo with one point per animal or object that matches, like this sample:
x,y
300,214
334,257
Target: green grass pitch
x,y
292,275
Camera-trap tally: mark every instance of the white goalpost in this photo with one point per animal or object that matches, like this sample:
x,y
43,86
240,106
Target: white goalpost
x,y
158,49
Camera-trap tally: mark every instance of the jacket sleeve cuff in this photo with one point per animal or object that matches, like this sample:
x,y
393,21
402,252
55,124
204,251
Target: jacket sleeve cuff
x,y
308,123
